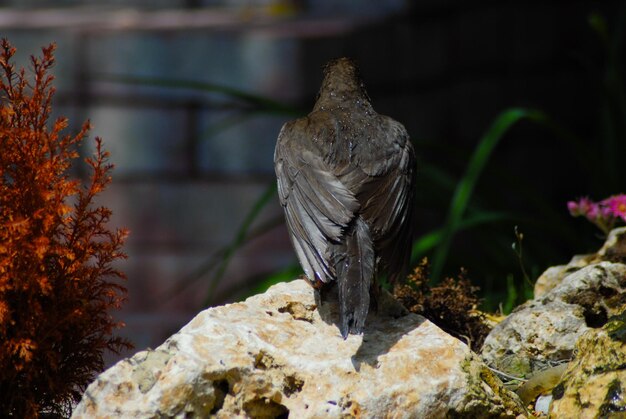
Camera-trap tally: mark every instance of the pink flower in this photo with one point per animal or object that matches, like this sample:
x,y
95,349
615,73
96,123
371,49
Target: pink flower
x,y
572,206
616,206
582,207
593,212
603,214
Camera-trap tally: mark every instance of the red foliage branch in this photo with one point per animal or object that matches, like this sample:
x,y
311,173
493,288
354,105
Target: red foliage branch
x,y
57,280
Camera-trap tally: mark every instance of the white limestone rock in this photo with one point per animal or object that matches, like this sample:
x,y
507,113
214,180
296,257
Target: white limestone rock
x,y
277,355
545,330
613,250
555,274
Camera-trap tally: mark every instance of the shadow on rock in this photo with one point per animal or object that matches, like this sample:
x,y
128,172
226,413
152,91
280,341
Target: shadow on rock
x,y
387,322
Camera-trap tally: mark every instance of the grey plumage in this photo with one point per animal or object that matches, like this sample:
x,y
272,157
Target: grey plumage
x,y
345,180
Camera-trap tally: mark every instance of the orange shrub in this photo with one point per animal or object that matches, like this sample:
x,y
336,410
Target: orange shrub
x,y
57,280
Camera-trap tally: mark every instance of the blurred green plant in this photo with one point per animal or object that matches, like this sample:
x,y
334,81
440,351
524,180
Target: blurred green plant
x,y
596,160
217,264
465,186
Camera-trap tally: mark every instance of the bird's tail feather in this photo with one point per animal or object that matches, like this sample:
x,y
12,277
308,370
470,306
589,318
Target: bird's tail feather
x,y
355,273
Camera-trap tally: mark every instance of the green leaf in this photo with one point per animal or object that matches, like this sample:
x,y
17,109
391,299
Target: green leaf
x,y
219,261
240,238
465,187
598,24
511,295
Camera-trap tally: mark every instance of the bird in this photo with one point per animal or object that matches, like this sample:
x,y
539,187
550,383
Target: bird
x,y
346,178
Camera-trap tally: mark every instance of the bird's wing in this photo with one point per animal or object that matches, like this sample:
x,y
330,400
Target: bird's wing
x,y
386,195
318,207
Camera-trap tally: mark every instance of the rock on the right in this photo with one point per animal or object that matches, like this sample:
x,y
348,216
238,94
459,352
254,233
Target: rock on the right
x,y
570,300
594,384
544,331
613,250
576,321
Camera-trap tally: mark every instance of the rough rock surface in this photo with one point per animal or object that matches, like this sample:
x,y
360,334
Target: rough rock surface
x,y
545,330
594,385
274,355
555,274
613,250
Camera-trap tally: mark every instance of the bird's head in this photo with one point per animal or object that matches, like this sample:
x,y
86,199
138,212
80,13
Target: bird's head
x,y
342,79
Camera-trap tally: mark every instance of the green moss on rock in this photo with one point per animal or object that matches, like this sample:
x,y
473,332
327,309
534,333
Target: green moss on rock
x,y
486,395
593,384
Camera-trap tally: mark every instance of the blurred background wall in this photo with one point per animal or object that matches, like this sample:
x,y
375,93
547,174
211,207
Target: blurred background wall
x,y
189,97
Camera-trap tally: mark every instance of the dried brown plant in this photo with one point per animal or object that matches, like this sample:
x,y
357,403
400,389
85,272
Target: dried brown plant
x,y
451,305
57,279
